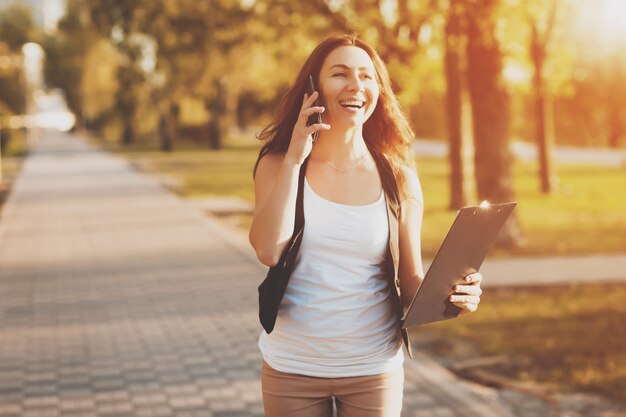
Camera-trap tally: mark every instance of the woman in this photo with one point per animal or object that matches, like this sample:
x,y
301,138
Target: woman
x,y
337,334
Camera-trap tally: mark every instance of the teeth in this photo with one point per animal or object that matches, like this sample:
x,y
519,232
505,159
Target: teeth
x,y
355,103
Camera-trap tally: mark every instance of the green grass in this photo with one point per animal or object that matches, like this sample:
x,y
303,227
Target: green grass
x,y
13,156
572,336
12,159
586,213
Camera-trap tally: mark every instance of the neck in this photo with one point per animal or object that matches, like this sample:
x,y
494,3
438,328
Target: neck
x,y
340,146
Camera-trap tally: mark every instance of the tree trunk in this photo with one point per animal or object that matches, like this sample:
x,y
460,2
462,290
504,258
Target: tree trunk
x,y
491,119
214,134
128,134
615,127
217,107
168,127
454,70
5,138
233,92
616,111
164,138
543,114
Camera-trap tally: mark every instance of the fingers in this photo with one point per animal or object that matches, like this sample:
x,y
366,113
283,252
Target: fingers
x,y
312,110
308,108
467,308
464,299
468,289
308,100
467,303
470,285
318,126
467,296
473,278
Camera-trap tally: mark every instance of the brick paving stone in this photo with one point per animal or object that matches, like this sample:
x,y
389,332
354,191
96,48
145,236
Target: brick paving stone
x,y
80,414
8,409
185,402
121,407
77,405
119,299
41,413
111,396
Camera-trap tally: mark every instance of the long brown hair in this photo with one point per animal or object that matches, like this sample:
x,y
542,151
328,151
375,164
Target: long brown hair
x,y
387,132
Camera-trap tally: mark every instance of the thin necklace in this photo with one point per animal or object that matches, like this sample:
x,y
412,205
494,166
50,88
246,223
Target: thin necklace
x,y
359,162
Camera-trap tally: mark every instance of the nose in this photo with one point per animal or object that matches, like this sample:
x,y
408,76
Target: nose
x,y
356,84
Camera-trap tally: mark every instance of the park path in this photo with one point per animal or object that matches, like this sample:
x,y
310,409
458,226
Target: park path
x,y
613,158
119,299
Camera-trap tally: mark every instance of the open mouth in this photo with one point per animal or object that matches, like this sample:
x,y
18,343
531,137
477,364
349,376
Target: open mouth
x,y
352,104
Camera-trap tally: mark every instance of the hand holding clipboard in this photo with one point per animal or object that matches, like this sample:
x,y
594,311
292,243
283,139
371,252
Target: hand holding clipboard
x,y
462,253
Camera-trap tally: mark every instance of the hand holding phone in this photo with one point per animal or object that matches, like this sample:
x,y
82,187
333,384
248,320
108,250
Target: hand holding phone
x,y
315,118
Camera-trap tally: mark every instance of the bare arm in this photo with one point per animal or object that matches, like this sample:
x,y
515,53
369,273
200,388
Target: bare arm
x,y
276,189
411,269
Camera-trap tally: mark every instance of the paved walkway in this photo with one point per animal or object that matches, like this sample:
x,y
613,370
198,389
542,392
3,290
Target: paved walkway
x,y
118,299
614,158
554,270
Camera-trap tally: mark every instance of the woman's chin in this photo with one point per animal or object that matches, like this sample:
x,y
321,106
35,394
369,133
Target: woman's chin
x,y
346,121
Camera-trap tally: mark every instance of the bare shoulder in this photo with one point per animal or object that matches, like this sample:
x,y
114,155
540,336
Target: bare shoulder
x,y
412,184
269,165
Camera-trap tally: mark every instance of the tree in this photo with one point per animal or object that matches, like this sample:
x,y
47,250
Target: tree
x,y
12,98
12,101
129,78
16,26
490,113
185,35
16,29
616,115
456,106
66,55
542,27
117,21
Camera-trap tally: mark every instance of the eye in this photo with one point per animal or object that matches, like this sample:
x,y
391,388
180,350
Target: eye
x,y
339,74
369,77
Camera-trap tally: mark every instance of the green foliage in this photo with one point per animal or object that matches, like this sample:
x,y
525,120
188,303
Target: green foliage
x,y
68,64
63,68
241,56
12,98
16,26
12,101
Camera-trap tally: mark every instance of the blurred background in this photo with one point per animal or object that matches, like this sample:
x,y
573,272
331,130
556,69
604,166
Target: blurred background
x,y
510,100
484,83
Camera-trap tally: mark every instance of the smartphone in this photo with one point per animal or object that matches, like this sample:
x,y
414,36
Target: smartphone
x,y
315,118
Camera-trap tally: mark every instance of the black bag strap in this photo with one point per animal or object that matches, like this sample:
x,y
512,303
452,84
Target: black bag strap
x,y
299,219
299,222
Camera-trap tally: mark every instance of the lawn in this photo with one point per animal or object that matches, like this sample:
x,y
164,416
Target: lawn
x,y
13,154
572,336
586,214
11,163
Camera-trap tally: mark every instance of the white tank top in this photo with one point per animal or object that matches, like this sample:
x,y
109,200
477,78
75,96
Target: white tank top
x,y
337,317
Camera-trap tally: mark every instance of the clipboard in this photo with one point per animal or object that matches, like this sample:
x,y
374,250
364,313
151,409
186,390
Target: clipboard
x,y
462,253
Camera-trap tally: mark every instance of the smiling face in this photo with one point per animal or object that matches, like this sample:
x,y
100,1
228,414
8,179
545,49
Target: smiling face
x,y
348,87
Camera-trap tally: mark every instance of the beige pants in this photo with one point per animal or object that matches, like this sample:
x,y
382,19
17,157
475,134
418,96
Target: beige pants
x,y
292,395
